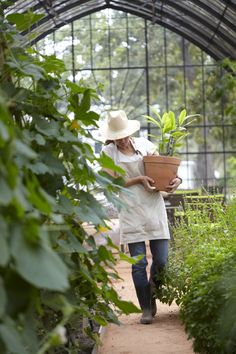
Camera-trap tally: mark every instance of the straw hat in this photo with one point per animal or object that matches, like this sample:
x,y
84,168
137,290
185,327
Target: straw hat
x,y
118,126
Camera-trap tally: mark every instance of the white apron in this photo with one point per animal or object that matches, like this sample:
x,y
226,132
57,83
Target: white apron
x,y
144,217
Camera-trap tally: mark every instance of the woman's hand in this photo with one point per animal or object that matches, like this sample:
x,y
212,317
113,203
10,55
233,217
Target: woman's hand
x,y
148,182
174,184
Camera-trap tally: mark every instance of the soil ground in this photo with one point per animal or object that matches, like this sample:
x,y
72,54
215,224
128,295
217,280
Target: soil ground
x,y
164,336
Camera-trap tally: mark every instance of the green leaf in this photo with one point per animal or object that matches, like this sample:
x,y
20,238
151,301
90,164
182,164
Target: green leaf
x,y
167,123
85,102
52,64
126,306
12,338
19,293
191,116
3,298
24,149
55,166
32,70
153,120
4,134
155,111
39,265
131,260
37,196
40,139
38,168
107,162
5,192
65,205
182,116
164,118
24,21
173,120
48,128
4,249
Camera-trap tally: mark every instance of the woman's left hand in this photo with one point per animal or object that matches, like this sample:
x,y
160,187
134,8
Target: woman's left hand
x,y
174,184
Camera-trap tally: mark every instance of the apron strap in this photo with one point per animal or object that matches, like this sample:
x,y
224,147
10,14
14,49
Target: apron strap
x,y
135,148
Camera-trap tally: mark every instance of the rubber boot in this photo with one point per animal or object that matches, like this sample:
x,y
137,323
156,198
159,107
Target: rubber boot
x,y
153,301
155,284
153,297
144,298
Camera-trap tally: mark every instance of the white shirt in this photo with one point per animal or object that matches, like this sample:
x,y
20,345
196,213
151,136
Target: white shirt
x,y
142,145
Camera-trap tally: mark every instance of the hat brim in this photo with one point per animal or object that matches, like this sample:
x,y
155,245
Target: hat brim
x,y
132,127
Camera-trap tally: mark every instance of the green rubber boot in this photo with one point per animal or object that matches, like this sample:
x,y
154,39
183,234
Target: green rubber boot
x,y
144,298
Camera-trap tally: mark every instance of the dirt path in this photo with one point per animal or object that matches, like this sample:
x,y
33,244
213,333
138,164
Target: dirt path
x,y
164,336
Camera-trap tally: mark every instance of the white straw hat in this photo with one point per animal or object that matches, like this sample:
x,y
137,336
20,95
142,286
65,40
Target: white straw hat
x,y
118,126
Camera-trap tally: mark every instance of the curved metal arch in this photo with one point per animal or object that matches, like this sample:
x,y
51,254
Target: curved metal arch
x,y
210,26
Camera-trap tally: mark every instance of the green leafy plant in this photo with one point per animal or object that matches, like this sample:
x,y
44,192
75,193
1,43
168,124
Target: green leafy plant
x,y
199,277
50,267
172,128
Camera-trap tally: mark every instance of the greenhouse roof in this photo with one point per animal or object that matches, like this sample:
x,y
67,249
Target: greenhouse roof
x,y
211,24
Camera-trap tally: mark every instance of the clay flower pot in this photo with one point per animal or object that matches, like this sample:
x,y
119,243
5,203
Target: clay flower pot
x,y
163,169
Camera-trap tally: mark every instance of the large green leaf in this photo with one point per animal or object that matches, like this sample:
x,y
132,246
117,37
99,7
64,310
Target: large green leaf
x,y
107,162
25,20
38,264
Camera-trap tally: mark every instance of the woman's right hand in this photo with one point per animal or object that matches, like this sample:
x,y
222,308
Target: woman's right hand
x,y
148,182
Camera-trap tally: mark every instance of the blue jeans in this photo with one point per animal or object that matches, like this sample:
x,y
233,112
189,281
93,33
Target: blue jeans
x,y
159,251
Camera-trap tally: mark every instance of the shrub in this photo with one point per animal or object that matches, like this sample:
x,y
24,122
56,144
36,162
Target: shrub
x,y
202,259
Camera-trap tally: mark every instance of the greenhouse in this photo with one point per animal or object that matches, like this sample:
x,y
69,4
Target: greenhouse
x,y
65,67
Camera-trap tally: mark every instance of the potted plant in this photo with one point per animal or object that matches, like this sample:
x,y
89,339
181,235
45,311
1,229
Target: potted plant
x,y
173,130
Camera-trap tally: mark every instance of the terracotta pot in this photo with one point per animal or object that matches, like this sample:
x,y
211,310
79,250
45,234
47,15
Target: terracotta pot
x,y
163,169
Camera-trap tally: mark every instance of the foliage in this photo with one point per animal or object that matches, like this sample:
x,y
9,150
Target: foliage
x,y
48,178
201,263
172,130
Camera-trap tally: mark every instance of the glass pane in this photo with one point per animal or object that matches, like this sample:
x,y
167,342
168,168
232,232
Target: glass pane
x,y
174,44
119,47
187,171
213,105
193,54
46,45
155,45
137,42
231,170
175,88
194,139
157,84
194,89
100,48
63,45
229,138
82,52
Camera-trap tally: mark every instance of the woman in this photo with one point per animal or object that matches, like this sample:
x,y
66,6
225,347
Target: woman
x,y
144,218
